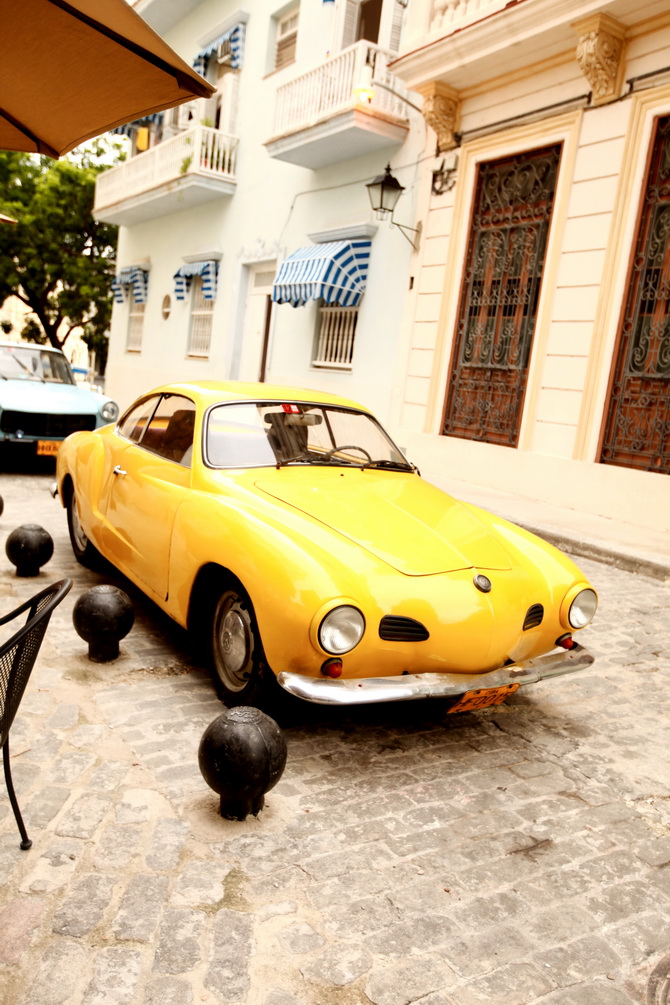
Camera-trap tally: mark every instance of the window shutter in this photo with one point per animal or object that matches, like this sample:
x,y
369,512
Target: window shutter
x,y
390,30
397,19
349,23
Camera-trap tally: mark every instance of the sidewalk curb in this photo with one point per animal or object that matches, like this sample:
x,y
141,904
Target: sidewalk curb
x,y
609,555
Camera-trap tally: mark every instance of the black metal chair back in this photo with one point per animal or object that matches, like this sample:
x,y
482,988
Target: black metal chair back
x,y
17,659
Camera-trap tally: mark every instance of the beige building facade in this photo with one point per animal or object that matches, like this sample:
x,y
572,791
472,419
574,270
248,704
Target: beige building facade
x,y
537,330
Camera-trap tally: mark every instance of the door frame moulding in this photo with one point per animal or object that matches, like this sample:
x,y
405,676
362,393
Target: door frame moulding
x,y
646,107
563,129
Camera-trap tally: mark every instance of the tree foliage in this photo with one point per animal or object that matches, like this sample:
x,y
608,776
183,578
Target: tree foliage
x,y
57,258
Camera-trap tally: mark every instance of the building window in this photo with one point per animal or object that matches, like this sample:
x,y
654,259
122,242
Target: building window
x,y
512,211
287,37
135,322
335,338
202,310
373,20
637,419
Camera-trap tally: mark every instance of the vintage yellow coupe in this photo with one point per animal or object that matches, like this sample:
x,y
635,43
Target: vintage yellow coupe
x,y
288,529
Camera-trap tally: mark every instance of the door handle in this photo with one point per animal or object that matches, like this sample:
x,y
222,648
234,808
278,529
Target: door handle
x,y
118,470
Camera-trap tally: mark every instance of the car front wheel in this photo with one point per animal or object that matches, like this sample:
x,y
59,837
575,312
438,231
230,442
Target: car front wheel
x,y
236,654
85,552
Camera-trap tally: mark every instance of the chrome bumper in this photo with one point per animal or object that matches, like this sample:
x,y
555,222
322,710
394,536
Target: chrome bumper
x,y
409,687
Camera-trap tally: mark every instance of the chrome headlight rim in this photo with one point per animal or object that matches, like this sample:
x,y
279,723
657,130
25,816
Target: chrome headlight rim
x,y
110,411
579,607
583,608
345,621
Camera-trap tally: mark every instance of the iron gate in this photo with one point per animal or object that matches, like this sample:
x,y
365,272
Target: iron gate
x,y
637,417
499,296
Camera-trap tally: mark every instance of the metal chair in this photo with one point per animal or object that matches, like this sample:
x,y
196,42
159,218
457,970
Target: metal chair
x,y
17,659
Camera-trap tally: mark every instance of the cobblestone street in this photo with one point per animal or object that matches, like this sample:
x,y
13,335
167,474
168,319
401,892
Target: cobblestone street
x,y
510,857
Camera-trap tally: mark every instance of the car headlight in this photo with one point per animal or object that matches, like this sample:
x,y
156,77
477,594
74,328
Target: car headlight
x,y
341,630
582,609
109,411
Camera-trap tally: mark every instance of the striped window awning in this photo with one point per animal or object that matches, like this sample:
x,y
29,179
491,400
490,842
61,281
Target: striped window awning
x,y
183,276
336,272
133,276
232,38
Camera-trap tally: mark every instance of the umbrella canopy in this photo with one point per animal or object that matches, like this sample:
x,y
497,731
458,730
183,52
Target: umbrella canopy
x,y
72,69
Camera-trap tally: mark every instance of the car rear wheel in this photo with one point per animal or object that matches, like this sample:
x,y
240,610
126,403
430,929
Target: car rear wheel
x,y
237,660
85,552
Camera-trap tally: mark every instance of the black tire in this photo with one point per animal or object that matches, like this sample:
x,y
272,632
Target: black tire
x,y
85,552
240,674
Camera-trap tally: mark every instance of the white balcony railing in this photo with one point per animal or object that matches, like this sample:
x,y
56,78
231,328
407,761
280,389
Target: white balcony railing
x,y
448,15
199,151
329,89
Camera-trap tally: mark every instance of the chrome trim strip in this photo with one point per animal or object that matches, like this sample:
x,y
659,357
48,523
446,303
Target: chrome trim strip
x,y
410,687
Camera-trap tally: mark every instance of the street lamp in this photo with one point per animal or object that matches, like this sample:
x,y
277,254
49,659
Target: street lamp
x,y
384,192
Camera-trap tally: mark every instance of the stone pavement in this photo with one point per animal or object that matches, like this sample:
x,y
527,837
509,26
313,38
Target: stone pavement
x,y
516,856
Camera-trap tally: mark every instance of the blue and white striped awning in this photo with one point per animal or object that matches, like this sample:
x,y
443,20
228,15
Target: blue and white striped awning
x,y
183,276
336,272
133,276
234,37
131,127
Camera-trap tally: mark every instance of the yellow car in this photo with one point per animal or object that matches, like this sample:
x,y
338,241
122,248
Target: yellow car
x,y
288,529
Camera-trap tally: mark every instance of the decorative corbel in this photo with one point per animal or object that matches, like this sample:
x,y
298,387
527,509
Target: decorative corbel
x,y
441,108
600,55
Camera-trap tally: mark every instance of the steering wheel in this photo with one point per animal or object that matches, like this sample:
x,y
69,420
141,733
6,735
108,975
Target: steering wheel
x,y
347,446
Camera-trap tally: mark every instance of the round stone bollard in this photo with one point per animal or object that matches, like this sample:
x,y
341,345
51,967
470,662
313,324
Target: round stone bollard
x,y
242,755
29,547
102,616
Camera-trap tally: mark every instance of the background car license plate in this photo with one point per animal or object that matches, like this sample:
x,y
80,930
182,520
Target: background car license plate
x,y
483,697
48,448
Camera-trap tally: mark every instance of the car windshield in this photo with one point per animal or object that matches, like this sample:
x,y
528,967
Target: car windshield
x,y
258,434
21,362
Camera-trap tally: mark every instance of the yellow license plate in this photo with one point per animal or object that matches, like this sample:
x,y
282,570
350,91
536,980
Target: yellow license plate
x,y
48,448
483,697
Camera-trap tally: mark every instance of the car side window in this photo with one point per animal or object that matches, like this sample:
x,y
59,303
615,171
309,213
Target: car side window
x,y
134,422
170,430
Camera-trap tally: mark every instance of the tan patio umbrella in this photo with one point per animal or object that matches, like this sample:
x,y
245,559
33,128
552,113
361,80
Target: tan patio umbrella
x,y
72,69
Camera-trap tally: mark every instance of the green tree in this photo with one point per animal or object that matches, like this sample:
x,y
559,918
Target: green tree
x,y
57,258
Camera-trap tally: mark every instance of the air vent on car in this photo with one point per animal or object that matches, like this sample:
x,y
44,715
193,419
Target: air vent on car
x,y
397,629
534,617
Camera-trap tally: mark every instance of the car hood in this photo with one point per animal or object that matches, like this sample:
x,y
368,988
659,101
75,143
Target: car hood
x,y
56,399
401,519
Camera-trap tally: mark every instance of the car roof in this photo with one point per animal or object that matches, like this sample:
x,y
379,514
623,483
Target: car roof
x,y
211,392
29,345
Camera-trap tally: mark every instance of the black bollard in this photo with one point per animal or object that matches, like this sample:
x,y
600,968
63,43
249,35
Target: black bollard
x,y
242,755
2,505
102,616
29,547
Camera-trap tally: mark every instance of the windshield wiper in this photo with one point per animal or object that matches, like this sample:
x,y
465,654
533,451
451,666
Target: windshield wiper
x,y
32,374
299,458
391,465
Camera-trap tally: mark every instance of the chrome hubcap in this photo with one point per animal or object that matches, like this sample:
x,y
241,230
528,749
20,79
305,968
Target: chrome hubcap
x,y
234,638
77,529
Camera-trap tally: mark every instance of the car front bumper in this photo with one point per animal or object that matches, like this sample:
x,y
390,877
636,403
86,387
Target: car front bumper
x,y
410,687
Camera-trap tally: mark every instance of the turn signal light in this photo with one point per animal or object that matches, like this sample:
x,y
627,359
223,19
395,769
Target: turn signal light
x,y
332,668
566,642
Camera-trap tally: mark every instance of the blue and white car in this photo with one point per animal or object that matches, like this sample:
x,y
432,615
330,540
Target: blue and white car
x,y
40,402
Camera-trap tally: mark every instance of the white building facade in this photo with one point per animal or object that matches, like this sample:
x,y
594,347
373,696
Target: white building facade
x,y
219,193
517,336
538,350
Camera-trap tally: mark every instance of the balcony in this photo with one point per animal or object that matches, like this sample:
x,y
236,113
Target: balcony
x,y
193,167
463,43
319,120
